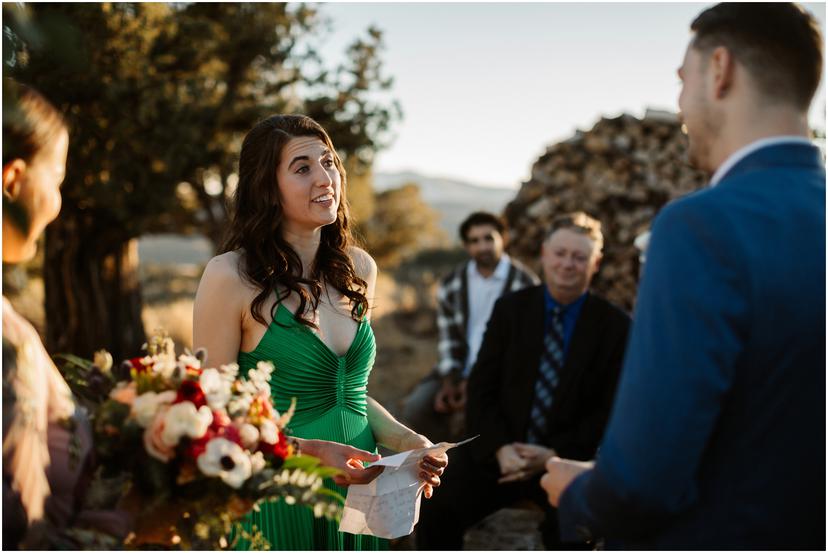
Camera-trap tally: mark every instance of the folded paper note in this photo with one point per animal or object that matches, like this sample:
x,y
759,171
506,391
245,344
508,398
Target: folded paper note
x,y
389,506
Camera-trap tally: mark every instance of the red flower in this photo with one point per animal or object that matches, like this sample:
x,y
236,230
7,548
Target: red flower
x,y
196,447
193,372
221,427
220,420
280,449
138,365
191,391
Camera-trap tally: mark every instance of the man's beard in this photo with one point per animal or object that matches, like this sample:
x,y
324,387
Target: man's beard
x,y
486,260
699,150
697,154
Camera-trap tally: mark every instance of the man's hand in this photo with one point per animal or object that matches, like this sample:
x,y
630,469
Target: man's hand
x,y
559,475
458,401
451,396
345,458
535,457
510,460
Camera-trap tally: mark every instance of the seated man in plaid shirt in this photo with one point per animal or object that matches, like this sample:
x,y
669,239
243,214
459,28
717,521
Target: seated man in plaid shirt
x,y
464,303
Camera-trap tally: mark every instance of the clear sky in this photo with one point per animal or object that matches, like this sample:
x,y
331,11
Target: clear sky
x,y
485,87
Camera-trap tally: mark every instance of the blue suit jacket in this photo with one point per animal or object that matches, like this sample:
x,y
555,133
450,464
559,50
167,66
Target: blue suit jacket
x,y
717,435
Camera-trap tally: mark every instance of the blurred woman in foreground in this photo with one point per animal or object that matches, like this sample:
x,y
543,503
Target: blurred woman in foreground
x,y
47,441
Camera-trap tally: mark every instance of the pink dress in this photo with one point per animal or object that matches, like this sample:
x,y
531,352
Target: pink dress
x,y
47,446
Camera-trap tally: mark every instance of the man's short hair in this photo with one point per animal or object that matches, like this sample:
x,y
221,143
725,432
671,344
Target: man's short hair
x,y
481,218
579,222
780,45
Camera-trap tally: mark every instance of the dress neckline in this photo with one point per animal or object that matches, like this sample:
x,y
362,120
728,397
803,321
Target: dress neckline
x,y
316,336
281,307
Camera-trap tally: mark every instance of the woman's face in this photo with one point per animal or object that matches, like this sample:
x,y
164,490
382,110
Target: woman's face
x,y
35,187
309,184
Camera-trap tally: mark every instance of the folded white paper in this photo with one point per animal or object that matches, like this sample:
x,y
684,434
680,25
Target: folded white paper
x,y
389,506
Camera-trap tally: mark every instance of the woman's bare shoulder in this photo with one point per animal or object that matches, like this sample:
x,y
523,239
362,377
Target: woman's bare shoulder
x,y
364,264
226,270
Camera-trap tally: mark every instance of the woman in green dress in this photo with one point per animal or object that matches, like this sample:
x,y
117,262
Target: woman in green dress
x,y
290,288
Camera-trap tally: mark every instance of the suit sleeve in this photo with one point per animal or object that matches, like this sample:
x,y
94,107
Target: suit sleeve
x,y
688,330
483,413
586,434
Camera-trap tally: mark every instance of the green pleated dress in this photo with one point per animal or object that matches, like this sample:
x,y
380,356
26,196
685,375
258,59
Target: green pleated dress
x,y
331,404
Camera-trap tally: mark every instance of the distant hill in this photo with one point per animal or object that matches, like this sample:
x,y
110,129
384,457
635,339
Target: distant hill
x,y
453,199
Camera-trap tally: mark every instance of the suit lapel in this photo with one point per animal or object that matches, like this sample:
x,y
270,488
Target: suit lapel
x,y
532,332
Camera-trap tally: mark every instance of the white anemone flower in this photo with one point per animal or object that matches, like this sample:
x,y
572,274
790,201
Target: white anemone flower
x,y
146,406
215,388
182,419
249,435
269,431
227,460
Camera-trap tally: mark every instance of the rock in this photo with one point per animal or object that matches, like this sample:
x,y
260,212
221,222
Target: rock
x,y
506,530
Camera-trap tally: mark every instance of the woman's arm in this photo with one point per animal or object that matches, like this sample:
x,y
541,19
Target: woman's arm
x,y
394,435
391,433
387,430
218,311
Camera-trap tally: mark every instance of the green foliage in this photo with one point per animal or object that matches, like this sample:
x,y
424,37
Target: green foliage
x,y
159,97
90,385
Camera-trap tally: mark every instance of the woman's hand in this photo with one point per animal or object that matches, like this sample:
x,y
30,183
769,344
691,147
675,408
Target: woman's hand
x,y
431,466
345,458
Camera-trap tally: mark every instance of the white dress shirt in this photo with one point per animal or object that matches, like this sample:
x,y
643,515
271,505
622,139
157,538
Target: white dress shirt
x,y
483,293
745,151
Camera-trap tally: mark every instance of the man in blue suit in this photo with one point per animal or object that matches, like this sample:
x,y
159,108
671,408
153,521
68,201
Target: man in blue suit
x,y
717,435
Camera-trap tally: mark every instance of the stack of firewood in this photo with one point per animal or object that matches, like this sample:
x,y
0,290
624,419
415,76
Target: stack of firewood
x,y
620,172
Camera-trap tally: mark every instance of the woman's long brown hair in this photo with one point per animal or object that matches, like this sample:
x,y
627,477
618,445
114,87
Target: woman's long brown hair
x,y
268,261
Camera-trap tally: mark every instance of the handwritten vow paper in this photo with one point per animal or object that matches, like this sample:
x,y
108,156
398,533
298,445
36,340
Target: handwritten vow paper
x,y
389,506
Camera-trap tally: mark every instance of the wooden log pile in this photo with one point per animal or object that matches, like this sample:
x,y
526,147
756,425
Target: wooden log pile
x,y
620,172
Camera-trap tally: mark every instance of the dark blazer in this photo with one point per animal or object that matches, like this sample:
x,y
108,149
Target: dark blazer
x,y
717,436
502,382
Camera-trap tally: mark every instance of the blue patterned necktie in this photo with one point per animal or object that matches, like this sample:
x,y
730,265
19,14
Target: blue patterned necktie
x,y
551,364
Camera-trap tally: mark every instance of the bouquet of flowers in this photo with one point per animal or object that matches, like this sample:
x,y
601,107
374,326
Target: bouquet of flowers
x,y
190,448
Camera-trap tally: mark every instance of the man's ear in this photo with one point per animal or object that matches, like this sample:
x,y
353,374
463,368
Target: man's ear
x,y
723,67
13,178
